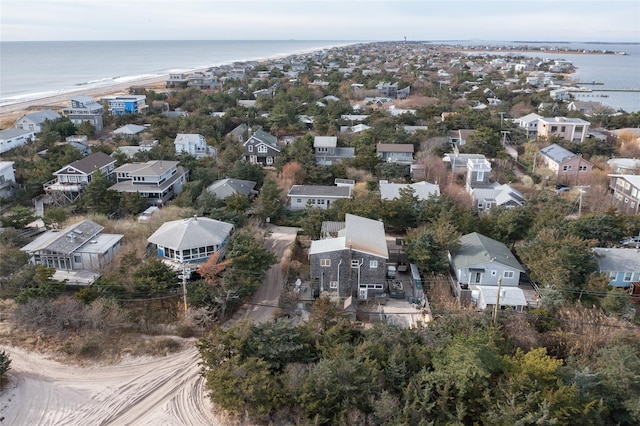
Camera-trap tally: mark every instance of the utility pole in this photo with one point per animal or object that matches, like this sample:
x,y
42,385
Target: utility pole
x,y
495,309
184,286
580,192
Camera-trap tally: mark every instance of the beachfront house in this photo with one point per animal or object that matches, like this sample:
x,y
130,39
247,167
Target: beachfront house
x,y
13,138
78,252
34,121
85,109
126,104
158,181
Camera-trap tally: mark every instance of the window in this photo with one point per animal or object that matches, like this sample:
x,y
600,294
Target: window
x,y
355,263
299,200
333,284
578,129
250,148
583,168
325,262
494,273
627,276
508,274
262,148
613,275
554,128
77,259
480,177
269,161
563,129
565,168
373,264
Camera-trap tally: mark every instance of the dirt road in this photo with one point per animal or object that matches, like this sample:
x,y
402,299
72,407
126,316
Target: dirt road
x,y
264,303
139,391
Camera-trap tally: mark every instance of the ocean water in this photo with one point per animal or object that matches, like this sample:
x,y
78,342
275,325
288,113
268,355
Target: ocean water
x,y
30,70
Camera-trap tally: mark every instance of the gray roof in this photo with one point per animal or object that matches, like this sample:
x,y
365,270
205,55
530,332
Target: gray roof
x,y
331,227
129,129
394,147
422,190
90,163
41,116
359,234
557,153
325,141
12,133
227,187
65,241
265,137
618,259
320,191
191,233
477,249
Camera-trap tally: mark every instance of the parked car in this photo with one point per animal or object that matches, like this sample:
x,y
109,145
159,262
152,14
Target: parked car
x,y
562,188
631,241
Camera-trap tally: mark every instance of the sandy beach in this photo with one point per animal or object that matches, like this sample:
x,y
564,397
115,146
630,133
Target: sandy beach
x,y
10,113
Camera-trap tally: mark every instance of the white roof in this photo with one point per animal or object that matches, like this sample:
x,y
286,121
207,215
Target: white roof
x,y
191,233
510,296
359,234
325,141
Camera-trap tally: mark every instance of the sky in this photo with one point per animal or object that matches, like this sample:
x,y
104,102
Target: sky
x,y
357,20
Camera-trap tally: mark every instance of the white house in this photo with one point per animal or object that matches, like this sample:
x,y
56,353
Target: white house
x,y
34,120
193,144
316,196
13,138
7,179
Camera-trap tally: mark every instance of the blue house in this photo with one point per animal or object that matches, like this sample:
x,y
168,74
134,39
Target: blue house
x,y
620,265
126,104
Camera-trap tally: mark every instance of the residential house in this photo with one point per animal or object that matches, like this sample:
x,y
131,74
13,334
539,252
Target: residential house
x,y
126,104
621,266
158,181
7,179
412,130
79,143
128,131
78,252
459,137
571,129
328,153
353,263
624,166
485,193
389,90
458,163
177,80
421,190
625,193
71,180
395,152
358,128
240,133
226,188
85,109
261,148
529,123
564,163
193,144
479,263
34,120
13,138
585,107
193,239
301,196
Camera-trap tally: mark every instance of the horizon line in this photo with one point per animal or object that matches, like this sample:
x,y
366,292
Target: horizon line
x,y
334,40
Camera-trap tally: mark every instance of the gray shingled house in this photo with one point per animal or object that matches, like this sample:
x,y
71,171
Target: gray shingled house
x,y
353,263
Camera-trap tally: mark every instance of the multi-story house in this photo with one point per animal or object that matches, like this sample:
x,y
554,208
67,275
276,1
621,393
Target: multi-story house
x,y
7,179
301,196
13,138
78,252
529,123
327,152
571,129
354,262
261,148
459,137
621,266
34,120
486,194
126,104
395,152
625,192
564,163
193,144
85,109
158,181
71,180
